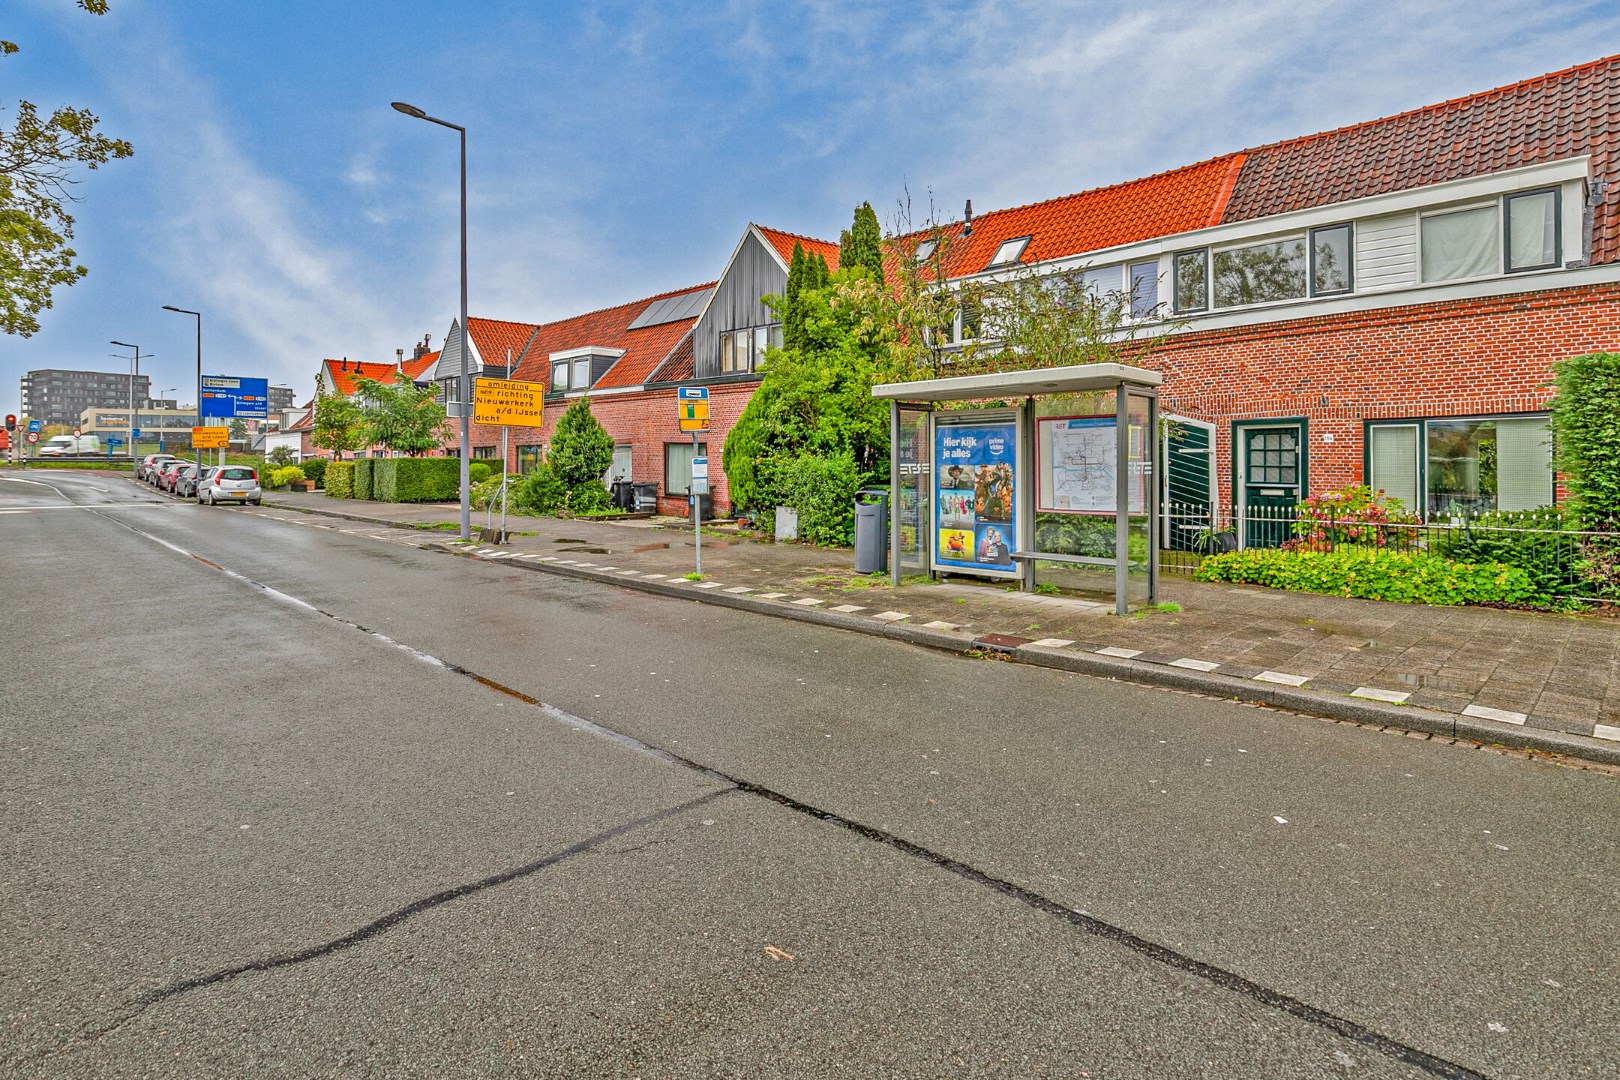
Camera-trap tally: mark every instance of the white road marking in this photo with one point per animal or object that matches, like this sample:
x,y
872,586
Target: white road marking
x,y
1606,731
891,616
1194,665
941,624
1053,642
1123,654
1372,693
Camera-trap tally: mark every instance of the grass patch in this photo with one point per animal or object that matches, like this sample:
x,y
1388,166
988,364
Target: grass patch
x,y
693,576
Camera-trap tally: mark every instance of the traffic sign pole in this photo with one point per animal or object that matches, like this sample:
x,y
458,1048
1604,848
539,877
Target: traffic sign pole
x,y
697,511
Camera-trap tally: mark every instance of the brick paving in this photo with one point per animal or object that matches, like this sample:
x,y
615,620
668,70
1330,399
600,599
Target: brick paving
x,y
1561,673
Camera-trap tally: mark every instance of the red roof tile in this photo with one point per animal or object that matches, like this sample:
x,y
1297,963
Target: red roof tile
x,y
1559,115
783,243
1191,197
644,348
494,337
681,364
344,374
418,368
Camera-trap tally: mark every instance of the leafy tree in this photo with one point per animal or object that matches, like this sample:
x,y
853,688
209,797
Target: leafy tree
x,y
401,416
339,425
238,428
792,309
36,159
865,248
581,450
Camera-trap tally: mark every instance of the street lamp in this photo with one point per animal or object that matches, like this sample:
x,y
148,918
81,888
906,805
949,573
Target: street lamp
x,y
466,402
135,373
198,314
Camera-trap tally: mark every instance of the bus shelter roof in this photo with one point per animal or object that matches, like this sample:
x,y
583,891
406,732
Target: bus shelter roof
x,y
1079,378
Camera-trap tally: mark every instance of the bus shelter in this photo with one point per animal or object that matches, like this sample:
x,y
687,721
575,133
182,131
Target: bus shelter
x,y
1043,477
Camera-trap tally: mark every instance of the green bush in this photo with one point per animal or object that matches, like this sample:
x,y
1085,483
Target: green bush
x,y
408,479
1075,534
822,490
365,479
540,492
1586,435
591,497
315,471
477,472
1540,542
280,478
340,479
1374,574
488,493
581,451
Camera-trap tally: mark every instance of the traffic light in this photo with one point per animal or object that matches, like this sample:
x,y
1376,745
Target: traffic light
x,y
11,421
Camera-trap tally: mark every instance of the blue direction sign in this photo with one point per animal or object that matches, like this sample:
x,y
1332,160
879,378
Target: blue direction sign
x,y
33,425
135,434
113,440
229,396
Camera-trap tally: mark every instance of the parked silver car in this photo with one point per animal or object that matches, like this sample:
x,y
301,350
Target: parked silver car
x,y
233,483
190,480
149,464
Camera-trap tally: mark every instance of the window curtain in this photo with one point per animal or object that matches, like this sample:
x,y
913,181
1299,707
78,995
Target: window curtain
x,y
1460,245
1524,464
1531,228
1394,458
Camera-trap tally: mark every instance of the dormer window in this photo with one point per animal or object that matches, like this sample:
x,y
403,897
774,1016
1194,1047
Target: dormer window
x,y
925,250
575,370
1010,251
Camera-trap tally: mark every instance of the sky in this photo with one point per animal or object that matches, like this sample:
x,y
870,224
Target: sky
x,y
620,150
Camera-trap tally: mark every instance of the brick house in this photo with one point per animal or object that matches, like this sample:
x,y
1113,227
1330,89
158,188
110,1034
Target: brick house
x,y
1380,303
343,377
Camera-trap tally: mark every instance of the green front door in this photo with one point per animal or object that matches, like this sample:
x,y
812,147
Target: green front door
x,y
1271,480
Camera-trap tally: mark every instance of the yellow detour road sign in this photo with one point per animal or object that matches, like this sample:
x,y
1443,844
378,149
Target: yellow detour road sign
x,y
210,438
507,403
692,407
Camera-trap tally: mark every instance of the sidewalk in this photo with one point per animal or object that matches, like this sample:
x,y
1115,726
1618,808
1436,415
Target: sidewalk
x,y
1521,679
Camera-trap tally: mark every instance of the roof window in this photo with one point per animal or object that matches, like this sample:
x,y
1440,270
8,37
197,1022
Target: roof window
x,y
925,250
1010,251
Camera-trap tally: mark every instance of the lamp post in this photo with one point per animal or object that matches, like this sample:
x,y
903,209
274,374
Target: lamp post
x,y
466,402
135,373
198,314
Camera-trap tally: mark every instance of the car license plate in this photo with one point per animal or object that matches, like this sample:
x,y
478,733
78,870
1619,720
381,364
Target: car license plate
x,y
238,494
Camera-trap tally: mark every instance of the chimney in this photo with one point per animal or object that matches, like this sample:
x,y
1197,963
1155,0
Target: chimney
x,y
967,219
399,360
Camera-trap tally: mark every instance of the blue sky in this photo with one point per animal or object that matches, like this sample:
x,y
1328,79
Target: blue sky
x,y
616,150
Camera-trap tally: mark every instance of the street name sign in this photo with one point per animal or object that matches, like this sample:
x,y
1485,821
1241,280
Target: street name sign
x,y
229,396
508,402
692,408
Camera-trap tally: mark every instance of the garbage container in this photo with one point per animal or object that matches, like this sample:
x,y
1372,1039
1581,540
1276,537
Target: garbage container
x,y
646,498
624,495
871,531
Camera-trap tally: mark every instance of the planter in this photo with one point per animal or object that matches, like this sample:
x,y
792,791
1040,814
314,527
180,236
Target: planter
x,y
300,485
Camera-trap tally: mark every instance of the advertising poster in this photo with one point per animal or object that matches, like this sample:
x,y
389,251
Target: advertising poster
x,y
973,508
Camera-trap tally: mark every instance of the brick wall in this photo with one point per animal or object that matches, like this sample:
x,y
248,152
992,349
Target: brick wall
x,y
1457,358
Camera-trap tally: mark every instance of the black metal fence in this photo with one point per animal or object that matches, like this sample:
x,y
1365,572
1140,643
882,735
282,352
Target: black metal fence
x,y
1575,563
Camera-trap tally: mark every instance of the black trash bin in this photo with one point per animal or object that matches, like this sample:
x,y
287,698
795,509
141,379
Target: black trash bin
x,y
646,497
871,531
624,495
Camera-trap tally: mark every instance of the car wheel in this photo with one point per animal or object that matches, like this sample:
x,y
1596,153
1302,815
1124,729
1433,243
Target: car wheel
x,y
257,502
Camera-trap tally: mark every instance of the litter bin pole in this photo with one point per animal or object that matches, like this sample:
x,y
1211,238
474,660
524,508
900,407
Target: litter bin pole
x,y
871,531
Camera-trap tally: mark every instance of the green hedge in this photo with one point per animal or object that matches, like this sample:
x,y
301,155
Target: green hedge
x,y
1406,577
417,479
477,471
340,479
365,479
315,471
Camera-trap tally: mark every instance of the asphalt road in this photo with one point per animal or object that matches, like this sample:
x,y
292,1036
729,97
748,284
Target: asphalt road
x,y
298,801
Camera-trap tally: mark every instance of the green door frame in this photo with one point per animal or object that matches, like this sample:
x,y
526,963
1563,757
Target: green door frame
x,y
1240,483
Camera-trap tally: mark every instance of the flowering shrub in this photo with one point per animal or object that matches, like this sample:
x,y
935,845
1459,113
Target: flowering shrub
x,y
1354,515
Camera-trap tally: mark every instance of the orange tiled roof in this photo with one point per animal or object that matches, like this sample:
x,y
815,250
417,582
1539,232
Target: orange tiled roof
x,y
644,348
783,243
416,369
305,422
493,337
345,374
1191,197
681,364
1559,115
